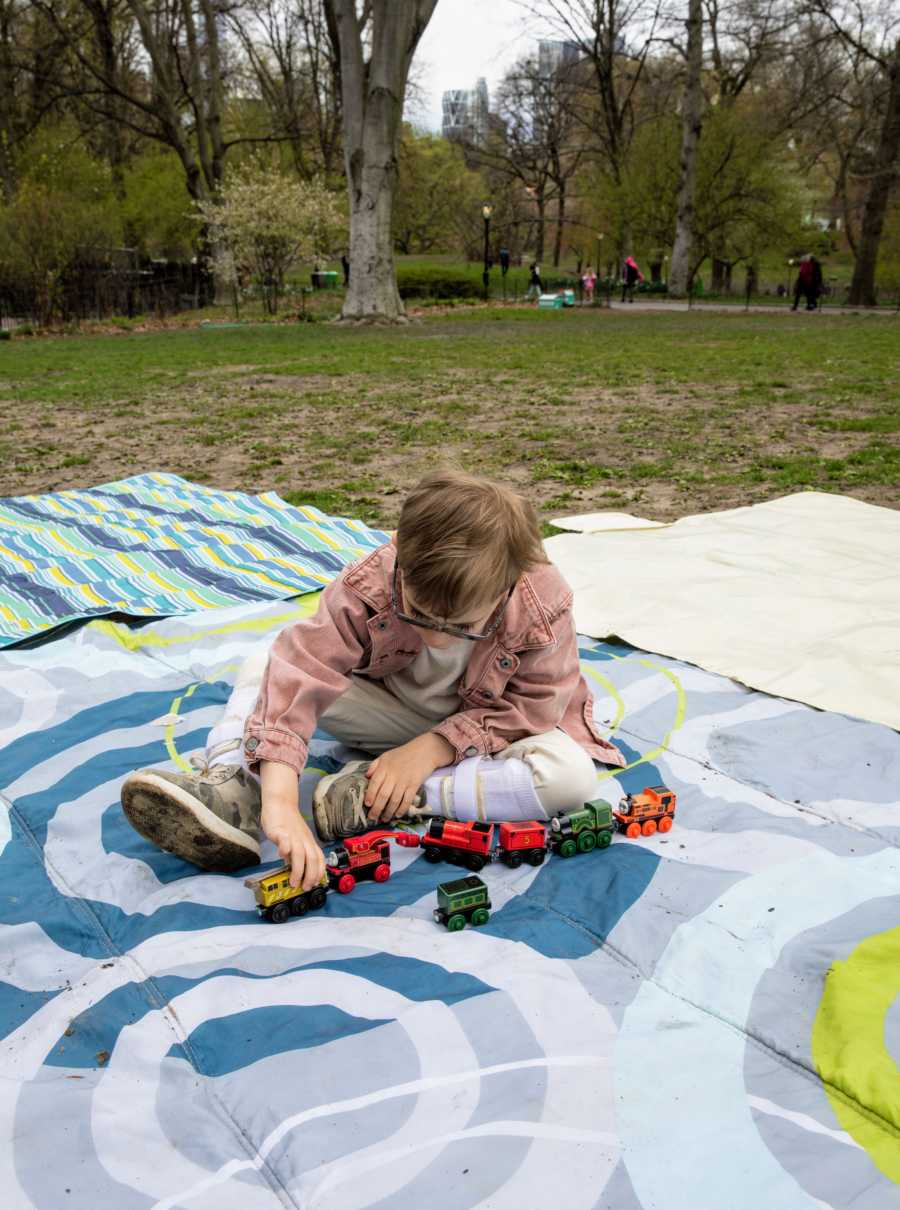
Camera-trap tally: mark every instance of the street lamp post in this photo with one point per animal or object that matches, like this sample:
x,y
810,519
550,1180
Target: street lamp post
x,y
487,211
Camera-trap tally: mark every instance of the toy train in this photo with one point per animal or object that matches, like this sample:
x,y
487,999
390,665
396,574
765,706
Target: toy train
x,y
465,899
355,858
469,844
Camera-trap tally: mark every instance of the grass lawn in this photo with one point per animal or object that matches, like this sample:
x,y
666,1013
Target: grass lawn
x,y
661,414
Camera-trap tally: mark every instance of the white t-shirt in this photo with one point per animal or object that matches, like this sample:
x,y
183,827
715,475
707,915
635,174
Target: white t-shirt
x,y
430,684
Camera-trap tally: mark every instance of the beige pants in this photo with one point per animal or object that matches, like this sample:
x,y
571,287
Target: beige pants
x,y
370,718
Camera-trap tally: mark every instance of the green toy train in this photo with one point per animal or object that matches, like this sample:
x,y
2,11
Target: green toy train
x,y
461,900
590,827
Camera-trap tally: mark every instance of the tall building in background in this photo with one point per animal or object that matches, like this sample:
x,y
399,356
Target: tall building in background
x,y
554,56
465,114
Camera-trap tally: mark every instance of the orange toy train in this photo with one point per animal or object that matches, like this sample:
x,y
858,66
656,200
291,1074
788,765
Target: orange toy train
x,y
647,812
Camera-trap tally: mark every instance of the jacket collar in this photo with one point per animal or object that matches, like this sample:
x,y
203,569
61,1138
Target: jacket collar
x,y
525,623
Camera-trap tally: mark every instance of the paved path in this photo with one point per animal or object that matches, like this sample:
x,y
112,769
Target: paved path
x,y
755,308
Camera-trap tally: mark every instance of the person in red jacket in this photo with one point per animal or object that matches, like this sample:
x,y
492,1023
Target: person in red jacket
x,y
809,283
631,275
448,655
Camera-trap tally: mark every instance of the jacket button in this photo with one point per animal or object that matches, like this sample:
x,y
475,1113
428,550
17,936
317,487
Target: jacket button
x,y
471,752
505,662
486,693
382,625
252,743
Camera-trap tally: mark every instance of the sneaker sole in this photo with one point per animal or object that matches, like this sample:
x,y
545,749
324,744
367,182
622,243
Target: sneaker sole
x,y
320,815
178,823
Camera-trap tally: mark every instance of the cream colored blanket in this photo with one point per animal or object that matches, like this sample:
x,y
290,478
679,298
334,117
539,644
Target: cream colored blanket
x,y
799,597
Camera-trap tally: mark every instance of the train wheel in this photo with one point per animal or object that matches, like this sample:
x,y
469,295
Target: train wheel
x,y
317,897
586,842
536,856
513,860
346,883
432,853
457,922
480,916
665,824
299,906
568,848
474,861
633,831
649,827
604,840
279,913
382,872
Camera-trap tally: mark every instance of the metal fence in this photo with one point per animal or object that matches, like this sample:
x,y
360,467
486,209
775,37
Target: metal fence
x,y
98,291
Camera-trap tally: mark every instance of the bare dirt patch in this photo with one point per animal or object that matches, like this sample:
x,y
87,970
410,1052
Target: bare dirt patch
x,y
352,445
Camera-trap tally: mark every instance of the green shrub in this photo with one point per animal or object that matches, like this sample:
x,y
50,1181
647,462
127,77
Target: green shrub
x,y
5,335
437,281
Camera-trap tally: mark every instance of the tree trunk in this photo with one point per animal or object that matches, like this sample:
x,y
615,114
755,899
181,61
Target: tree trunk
x,y
373,91
541,222
691,122
862,287
560,223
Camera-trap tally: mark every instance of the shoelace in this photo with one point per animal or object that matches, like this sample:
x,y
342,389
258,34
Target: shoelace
x,y
200,763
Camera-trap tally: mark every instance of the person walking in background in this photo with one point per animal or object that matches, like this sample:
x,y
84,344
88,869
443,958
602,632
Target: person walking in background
x,y
631,275
535,286
589,280
809,283
345,265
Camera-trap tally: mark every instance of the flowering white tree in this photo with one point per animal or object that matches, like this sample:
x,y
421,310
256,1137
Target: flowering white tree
x,y
264,223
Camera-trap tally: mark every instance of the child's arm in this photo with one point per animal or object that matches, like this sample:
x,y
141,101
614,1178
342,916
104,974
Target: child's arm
x,y
285,826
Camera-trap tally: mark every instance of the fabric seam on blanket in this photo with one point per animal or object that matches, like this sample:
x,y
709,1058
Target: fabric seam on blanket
x,y
785,1060
147,984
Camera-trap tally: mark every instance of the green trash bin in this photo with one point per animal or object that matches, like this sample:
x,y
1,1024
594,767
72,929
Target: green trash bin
x,y
325,279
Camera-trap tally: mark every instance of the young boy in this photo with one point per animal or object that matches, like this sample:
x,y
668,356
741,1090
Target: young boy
x,y
449,654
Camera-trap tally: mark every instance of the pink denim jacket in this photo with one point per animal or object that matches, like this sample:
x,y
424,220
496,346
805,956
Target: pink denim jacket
x,y
524,680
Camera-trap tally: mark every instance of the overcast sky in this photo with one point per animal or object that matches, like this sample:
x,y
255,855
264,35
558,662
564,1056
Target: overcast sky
x,y
466,39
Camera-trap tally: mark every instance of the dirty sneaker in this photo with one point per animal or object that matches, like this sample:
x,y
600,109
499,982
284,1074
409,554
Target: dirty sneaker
x,y
209,817
339,808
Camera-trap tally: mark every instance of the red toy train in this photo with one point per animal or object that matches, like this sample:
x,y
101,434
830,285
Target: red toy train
x,y
366,856
469,843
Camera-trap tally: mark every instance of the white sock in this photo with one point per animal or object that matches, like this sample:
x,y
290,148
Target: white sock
x,y
225,743
484,789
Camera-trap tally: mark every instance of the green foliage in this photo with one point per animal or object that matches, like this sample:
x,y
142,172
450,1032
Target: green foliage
x,y
434,189
423,281
63,212
264,223
747,200
156,206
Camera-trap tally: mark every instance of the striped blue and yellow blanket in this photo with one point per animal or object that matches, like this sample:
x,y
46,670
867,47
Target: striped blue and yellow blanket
x,y
156,545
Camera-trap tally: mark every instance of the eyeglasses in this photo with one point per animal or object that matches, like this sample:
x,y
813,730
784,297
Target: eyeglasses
x,y
446,627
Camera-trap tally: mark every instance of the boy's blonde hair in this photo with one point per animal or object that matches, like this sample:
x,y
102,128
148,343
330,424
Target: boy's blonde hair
x,y
462,542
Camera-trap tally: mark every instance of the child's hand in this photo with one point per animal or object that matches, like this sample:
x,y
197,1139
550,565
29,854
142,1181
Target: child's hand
x,y
397,776
296,845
